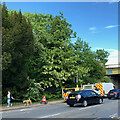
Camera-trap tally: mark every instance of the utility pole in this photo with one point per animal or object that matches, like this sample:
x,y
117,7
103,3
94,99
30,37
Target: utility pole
x,y
76,81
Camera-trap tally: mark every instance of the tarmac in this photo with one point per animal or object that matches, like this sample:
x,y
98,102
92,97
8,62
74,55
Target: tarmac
x,y
22,106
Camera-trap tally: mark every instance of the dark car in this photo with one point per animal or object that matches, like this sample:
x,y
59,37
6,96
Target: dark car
x,y
115,93
84,97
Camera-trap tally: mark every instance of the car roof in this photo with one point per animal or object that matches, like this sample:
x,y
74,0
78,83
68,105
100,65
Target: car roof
x,y
114,89
80,91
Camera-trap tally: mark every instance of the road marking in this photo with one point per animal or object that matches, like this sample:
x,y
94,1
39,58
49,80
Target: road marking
x,y
50,115
90,107
69,111
25,110
114,116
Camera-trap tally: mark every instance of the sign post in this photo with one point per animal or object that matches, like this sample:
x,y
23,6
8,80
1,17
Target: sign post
x,y
76,81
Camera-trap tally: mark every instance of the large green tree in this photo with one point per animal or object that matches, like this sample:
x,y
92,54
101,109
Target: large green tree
x,y
56,60
52,35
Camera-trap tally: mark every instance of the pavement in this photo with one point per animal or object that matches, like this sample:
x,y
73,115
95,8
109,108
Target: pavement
x,y
22,106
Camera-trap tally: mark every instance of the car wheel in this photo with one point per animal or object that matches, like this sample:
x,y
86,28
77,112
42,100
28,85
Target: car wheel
x,y
85,103
100,101
71,105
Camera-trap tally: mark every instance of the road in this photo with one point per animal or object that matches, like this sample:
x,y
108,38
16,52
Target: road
x,y
109,109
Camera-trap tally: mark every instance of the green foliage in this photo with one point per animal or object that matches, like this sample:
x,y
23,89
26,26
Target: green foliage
x,y
39,59
6,58
56,60
106,79
101,55
34,90
17,47
52,36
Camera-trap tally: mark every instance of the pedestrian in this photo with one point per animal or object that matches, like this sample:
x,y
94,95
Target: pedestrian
x,y
9,98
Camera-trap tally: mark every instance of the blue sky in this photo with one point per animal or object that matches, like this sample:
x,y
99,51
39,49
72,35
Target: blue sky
x,y
95,22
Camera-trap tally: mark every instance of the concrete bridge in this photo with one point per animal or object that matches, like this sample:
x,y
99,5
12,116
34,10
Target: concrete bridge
x,y
113,71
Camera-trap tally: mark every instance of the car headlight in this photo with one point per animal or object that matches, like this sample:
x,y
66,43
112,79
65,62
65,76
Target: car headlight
x,y
78,97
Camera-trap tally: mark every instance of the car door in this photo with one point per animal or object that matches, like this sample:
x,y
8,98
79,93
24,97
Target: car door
x,y
88,96
94,97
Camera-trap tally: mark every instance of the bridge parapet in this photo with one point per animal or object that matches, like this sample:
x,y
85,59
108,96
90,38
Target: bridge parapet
x,y
113,69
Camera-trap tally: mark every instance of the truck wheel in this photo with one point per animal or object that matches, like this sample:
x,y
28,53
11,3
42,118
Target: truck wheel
x,y
85,103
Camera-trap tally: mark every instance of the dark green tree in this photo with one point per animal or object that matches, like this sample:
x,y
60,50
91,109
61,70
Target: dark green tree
x,y
17,49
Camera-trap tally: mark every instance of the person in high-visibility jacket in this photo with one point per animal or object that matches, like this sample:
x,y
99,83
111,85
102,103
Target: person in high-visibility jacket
x,y
65,94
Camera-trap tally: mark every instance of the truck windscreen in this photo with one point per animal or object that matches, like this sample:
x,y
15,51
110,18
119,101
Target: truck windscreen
x,y
88,87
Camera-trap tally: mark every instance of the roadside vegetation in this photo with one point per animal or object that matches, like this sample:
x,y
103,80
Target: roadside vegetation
x,y
38,57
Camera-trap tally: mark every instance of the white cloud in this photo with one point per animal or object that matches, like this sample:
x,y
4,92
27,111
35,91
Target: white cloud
x,y
92,28
112,61
113,53
111,26
113,57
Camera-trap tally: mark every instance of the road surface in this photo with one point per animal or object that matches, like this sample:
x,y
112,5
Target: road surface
x,y
109,109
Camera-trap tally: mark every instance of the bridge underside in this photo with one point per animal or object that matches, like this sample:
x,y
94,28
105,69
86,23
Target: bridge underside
x,y
115,79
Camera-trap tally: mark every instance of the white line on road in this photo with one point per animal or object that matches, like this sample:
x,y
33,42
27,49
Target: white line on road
x,y
24,109
90,107
50,115
69,111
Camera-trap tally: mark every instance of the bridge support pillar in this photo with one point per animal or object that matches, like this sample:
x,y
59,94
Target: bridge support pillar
x,y
115,80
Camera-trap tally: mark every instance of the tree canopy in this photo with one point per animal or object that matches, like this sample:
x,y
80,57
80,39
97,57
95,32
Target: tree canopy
x,y
17,47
